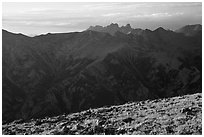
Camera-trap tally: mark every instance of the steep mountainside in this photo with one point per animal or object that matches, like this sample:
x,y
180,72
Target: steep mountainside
x,y
170,116
53,74
190,30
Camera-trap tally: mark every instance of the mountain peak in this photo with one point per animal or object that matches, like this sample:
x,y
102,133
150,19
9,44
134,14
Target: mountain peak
x,y
113,28
114,24
160,29
128,26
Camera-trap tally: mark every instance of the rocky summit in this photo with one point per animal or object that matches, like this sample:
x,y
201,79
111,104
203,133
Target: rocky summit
x,y
180,115
113,28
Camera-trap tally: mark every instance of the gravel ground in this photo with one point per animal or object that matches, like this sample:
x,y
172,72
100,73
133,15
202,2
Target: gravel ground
x,y
177,116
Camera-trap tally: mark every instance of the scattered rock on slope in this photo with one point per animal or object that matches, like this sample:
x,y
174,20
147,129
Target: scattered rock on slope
x,y
177,115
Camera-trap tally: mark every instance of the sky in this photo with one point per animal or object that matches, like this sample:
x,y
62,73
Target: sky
x,y
36,18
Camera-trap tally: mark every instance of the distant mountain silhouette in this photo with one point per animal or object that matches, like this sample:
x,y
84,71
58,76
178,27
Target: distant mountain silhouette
x,y
63,73
190,30
113,28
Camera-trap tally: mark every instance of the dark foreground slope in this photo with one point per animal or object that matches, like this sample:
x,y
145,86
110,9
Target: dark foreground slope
x,y
177,115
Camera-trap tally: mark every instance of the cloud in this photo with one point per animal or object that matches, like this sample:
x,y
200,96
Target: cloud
x,y
158,15
161,14
111,14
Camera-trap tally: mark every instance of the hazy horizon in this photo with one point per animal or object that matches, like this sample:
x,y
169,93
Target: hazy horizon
x,y
54,17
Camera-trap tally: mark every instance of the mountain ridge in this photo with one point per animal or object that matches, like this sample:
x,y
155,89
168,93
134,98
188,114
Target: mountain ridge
x,y
190,30
196,27
114,27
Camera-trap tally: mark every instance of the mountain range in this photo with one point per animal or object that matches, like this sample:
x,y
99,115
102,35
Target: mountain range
x,y
52,74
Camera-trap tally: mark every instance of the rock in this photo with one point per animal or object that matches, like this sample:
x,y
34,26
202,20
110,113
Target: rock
x,y
110,131
121,131
169,130
128,120
38,122
98,130
19,121
190,111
